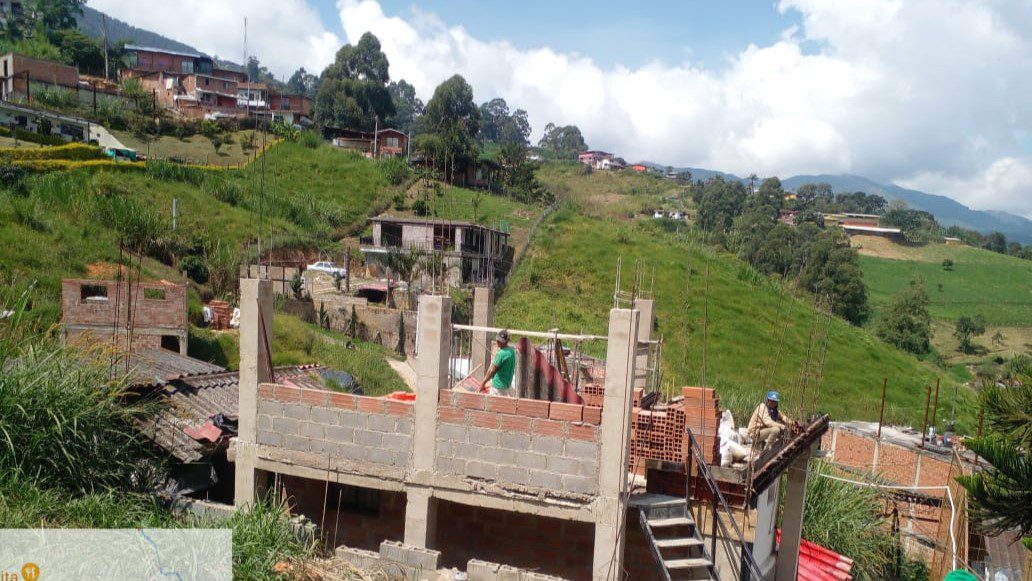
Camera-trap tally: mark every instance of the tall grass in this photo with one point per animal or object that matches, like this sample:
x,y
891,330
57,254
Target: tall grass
x,y
263,536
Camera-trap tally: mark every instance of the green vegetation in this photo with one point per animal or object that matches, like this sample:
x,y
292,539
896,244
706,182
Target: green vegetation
x,y
567,281
907,324
237,147
997,286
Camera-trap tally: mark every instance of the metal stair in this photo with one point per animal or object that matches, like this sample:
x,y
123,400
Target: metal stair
x,y
674,539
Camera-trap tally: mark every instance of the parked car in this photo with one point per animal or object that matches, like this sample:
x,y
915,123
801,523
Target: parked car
x,y
329,268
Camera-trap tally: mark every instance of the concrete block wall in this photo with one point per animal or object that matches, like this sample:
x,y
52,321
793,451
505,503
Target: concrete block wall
x,y
340,425
531,443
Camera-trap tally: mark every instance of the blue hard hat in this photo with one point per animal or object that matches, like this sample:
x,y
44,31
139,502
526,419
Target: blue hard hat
x,y
773,396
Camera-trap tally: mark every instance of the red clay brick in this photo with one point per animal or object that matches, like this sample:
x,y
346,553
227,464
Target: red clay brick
x,y
399,408
544,427
521,424
265,391
371,405
502,405
313,397
288,394
573,412
344,401
584,432
483,419
469,401
532,408
698,392
451,415
592,415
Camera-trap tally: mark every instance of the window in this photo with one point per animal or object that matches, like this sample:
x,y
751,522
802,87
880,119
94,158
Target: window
x,y
285,103
92,293
187,67
170,343
353,499
73,131
154,294
225,85
207,81
393,142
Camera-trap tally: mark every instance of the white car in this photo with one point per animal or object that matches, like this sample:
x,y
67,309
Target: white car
x,y
329,268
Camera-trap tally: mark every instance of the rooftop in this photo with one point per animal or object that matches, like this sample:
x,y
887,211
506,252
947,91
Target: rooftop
x,y
432,222
164,51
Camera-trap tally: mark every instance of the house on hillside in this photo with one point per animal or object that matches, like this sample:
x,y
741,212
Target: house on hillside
x,y
35,120
385,142
640,168
593,158
471,253
22,74
263,100
194,95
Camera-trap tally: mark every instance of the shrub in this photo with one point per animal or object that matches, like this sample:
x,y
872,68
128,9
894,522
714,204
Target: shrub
x,y
224,190
45,165
167,170
394,169
195,268
70,151
311,139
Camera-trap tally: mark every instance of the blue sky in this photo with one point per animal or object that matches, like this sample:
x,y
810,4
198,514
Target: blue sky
x,y
705,32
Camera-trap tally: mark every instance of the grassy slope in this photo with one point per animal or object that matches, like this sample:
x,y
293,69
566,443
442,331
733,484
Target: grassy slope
x,y
195,149
568,278
996,286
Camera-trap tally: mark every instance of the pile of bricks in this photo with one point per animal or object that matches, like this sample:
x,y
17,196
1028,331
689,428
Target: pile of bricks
x,y
659,433
702,416
592,394
221,313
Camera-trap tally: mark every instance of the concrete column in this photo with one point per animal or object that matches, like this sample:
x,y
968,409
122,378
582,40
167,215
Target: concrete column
x,y
483,316
647,319
432,362
614,434
792,517
255,303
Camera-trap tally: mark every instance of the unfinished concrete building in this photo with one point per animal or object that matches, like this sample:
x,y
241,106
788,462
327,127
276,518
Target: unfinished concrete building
x,y
132,316
512,487
466,253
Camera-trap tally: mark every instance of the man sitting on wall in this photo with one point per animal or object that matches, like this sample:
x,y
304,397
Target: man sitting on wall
x,y
767,422
502,368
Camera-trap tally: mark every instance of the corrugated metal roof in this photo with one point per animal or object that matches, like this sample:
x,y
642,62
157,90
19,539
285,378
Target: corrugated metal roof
x,y
154,367
190,401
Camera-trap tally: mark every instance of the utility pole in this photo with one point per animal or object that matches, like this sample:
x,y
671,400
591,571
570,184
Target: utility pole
x,y
175,212
107,69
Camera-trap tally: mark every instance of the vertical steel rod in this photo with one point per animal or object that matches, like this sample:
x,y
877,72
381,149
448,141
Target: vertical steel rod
x,y
924,430
881,414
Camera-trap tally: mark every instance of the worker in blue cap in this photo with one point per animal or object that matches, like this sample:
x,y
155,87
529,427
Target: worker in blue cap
x,y
768,422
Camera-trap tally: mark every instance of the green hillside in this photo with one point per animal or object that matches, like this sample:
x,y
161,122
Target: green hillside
x,y
567,281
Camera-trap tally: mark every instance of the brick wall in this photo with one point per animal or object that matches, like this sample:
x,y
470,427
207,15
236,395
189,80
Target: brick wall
x,y
659,433
346,527
167,313
524,442
548,545
340,425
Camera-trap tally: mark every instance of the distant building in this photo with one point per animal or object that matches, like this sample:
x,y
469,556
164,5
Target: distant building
x,y
389,141
611,164
640,168
788,216
19,71
196,95
263,100
594,158
871,230
472,253
34,120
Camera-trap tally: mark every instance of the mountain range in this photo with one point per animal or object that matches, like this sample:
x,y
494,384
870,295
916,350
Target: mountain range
x,y
91,23
946,210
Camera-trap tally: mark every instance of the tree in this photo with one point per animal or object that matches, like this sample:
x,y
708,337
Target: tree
x,y
966,328
408,108
1001,495
996,242
303,83
493,116
297,286
453,117
719,202
80,50
807,193
258,73
565,142
832,269
998,338
58,14
907,324
353,88
947,264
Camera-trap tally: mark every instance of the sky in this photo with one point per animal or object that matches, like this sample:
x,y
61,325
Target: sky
x,y
935,95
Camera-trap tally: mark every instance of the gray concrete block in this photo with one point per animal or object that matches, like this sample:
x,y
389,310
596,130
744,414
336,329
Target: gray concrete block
x,y
582,450
325,416
498,455
270,408
451,466
296,443
360,558
580,484
323,447
367,438
534,461
297,411
446,449
392,551
545,479
397,442
352,419
312,430
350,451
513,474
477,570
451,432
483,436
339,434
468,451
420,558
404,427
512,441
589,469
381,456
285,425
482,470
267,438
264,422
380,423
547,445
563,465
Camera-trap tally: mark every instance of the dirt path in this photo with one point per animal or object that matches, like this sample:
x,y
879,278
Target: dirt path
x,y
405,370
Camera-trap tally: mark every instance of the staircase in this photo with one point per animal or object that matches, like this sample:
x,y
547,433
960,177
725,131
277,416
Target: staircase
x,y
674,539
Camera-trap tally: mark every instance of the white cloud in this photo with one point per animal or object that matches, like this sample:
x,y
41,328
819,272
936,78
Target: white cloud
x,y
283,34
1004,185
892,89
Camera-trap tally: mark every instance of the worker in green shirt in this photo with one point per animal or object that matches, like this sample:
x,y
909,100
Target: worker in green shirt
x,y
502,368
